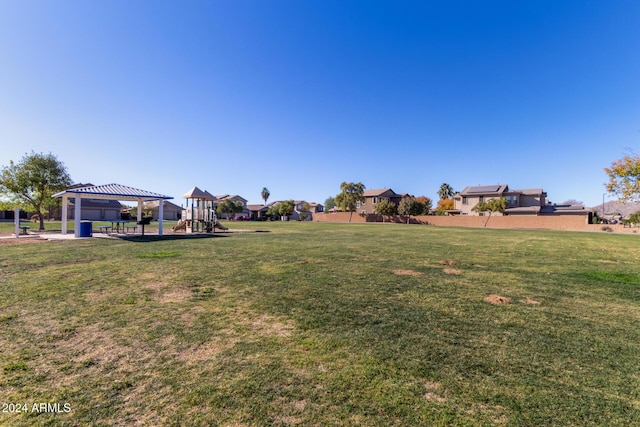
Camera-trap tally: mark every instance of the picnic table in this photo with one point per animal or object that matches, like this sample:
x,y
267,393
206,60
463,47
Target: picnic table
x,y
116,224
24,228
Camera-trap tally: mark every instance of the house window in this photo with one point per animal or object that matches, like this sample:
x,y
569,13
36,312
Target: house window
x,y
464,200
512,200
481,199
358,204
375,200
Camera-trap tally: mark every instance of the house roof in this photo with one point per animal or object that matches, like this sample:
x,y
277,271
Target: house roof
x,y
379,192
576,209
497,190
523,210
479,190
167,204
256,207
112,191
227,196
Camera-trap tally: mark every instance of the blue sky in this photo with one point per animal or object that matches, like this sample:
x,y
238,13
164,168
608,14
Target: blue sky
x,y
298,96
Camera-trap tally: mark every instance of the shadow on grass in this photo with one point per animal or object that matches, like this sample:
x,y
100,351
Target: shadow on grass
x,y
156,238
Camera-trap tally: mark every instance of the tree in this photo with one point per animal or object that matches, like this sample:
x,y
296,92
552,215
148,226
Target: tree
x,y
426,205
410,206
444,205
624,178
329,204
385,207
634,218
351,194
305,210
493,205
265,194
286,208
272,212
229,207
445,191
30,184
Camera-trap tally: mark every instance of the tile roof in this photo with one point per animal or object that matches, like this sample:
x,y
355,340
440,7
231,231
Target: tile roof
x,y
377,192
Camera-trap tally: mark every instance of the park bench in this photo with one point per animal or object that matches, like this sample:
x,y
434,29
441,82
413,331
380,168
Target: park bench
x,y
104,228
131,228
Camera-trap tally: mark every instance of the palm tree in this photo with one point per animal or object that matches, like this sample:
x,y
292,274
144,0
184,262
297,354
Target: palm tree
x,y
445,191
265,194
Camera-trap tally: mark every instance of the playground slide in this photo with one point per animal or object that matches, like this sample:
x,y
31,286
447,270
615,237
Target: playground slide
x,y
181,225
220,226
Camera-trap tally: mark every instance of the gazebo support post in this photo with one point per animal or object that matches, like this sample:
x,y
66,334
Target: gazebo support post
x,y
160,216
16,219
78,214
65,213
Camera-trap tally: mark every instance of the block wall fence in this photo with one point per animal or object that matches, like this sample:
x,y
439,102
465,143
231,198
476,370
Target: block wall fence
x,y
564,222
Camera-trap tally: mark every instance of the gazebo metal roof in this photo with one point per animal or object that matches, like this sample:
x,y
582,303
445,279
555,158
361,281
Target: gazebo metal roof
x,y
113,192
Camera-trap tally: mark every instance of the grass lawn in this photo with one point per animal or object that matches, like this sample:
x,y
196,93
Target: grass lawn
x,y
324,324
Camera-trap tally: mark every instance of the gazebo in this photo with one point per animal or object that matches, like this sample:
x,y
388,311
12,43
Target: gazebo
x,y
108,192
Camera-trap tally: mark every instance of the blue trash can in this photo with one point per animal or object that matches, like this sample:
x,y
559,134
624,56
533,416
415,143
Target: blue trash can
x,y
86,228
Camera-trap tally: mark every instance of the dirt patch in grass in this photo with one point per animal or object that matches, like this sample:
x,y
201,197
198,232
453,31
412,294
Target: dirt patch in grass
x,y
406,273
209,350
447,262
432,392
452,271
607,261
529,301
175,295
165,292
497,299
270,325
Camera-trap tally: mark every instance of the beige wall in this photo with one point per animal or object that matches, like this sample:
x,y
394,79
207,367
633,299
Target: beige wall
x,y
472,201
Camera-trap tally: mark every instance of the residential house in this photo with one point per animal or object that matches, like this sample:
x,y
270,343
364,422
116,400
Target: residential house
x,y
316,207
10,215
96,209
373,197
170,211
235,198
257,212
300,212
520,202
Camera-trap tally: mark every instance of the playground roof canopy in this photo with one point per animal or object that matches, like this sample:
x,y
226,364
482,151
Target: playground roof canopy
x,y
196,193
112,192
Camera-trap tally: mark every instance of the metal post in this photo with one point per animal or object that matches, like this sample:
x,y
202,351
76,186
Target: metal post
x,y
16,219
78,215
160,216
65,215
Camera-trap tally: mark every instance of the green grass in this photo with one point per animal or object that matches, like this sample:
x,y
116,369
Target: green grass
x,y
325,324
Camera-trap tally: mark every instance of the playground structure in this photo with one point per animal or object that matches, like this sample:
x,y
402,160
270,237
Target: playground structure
x,y
199,216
